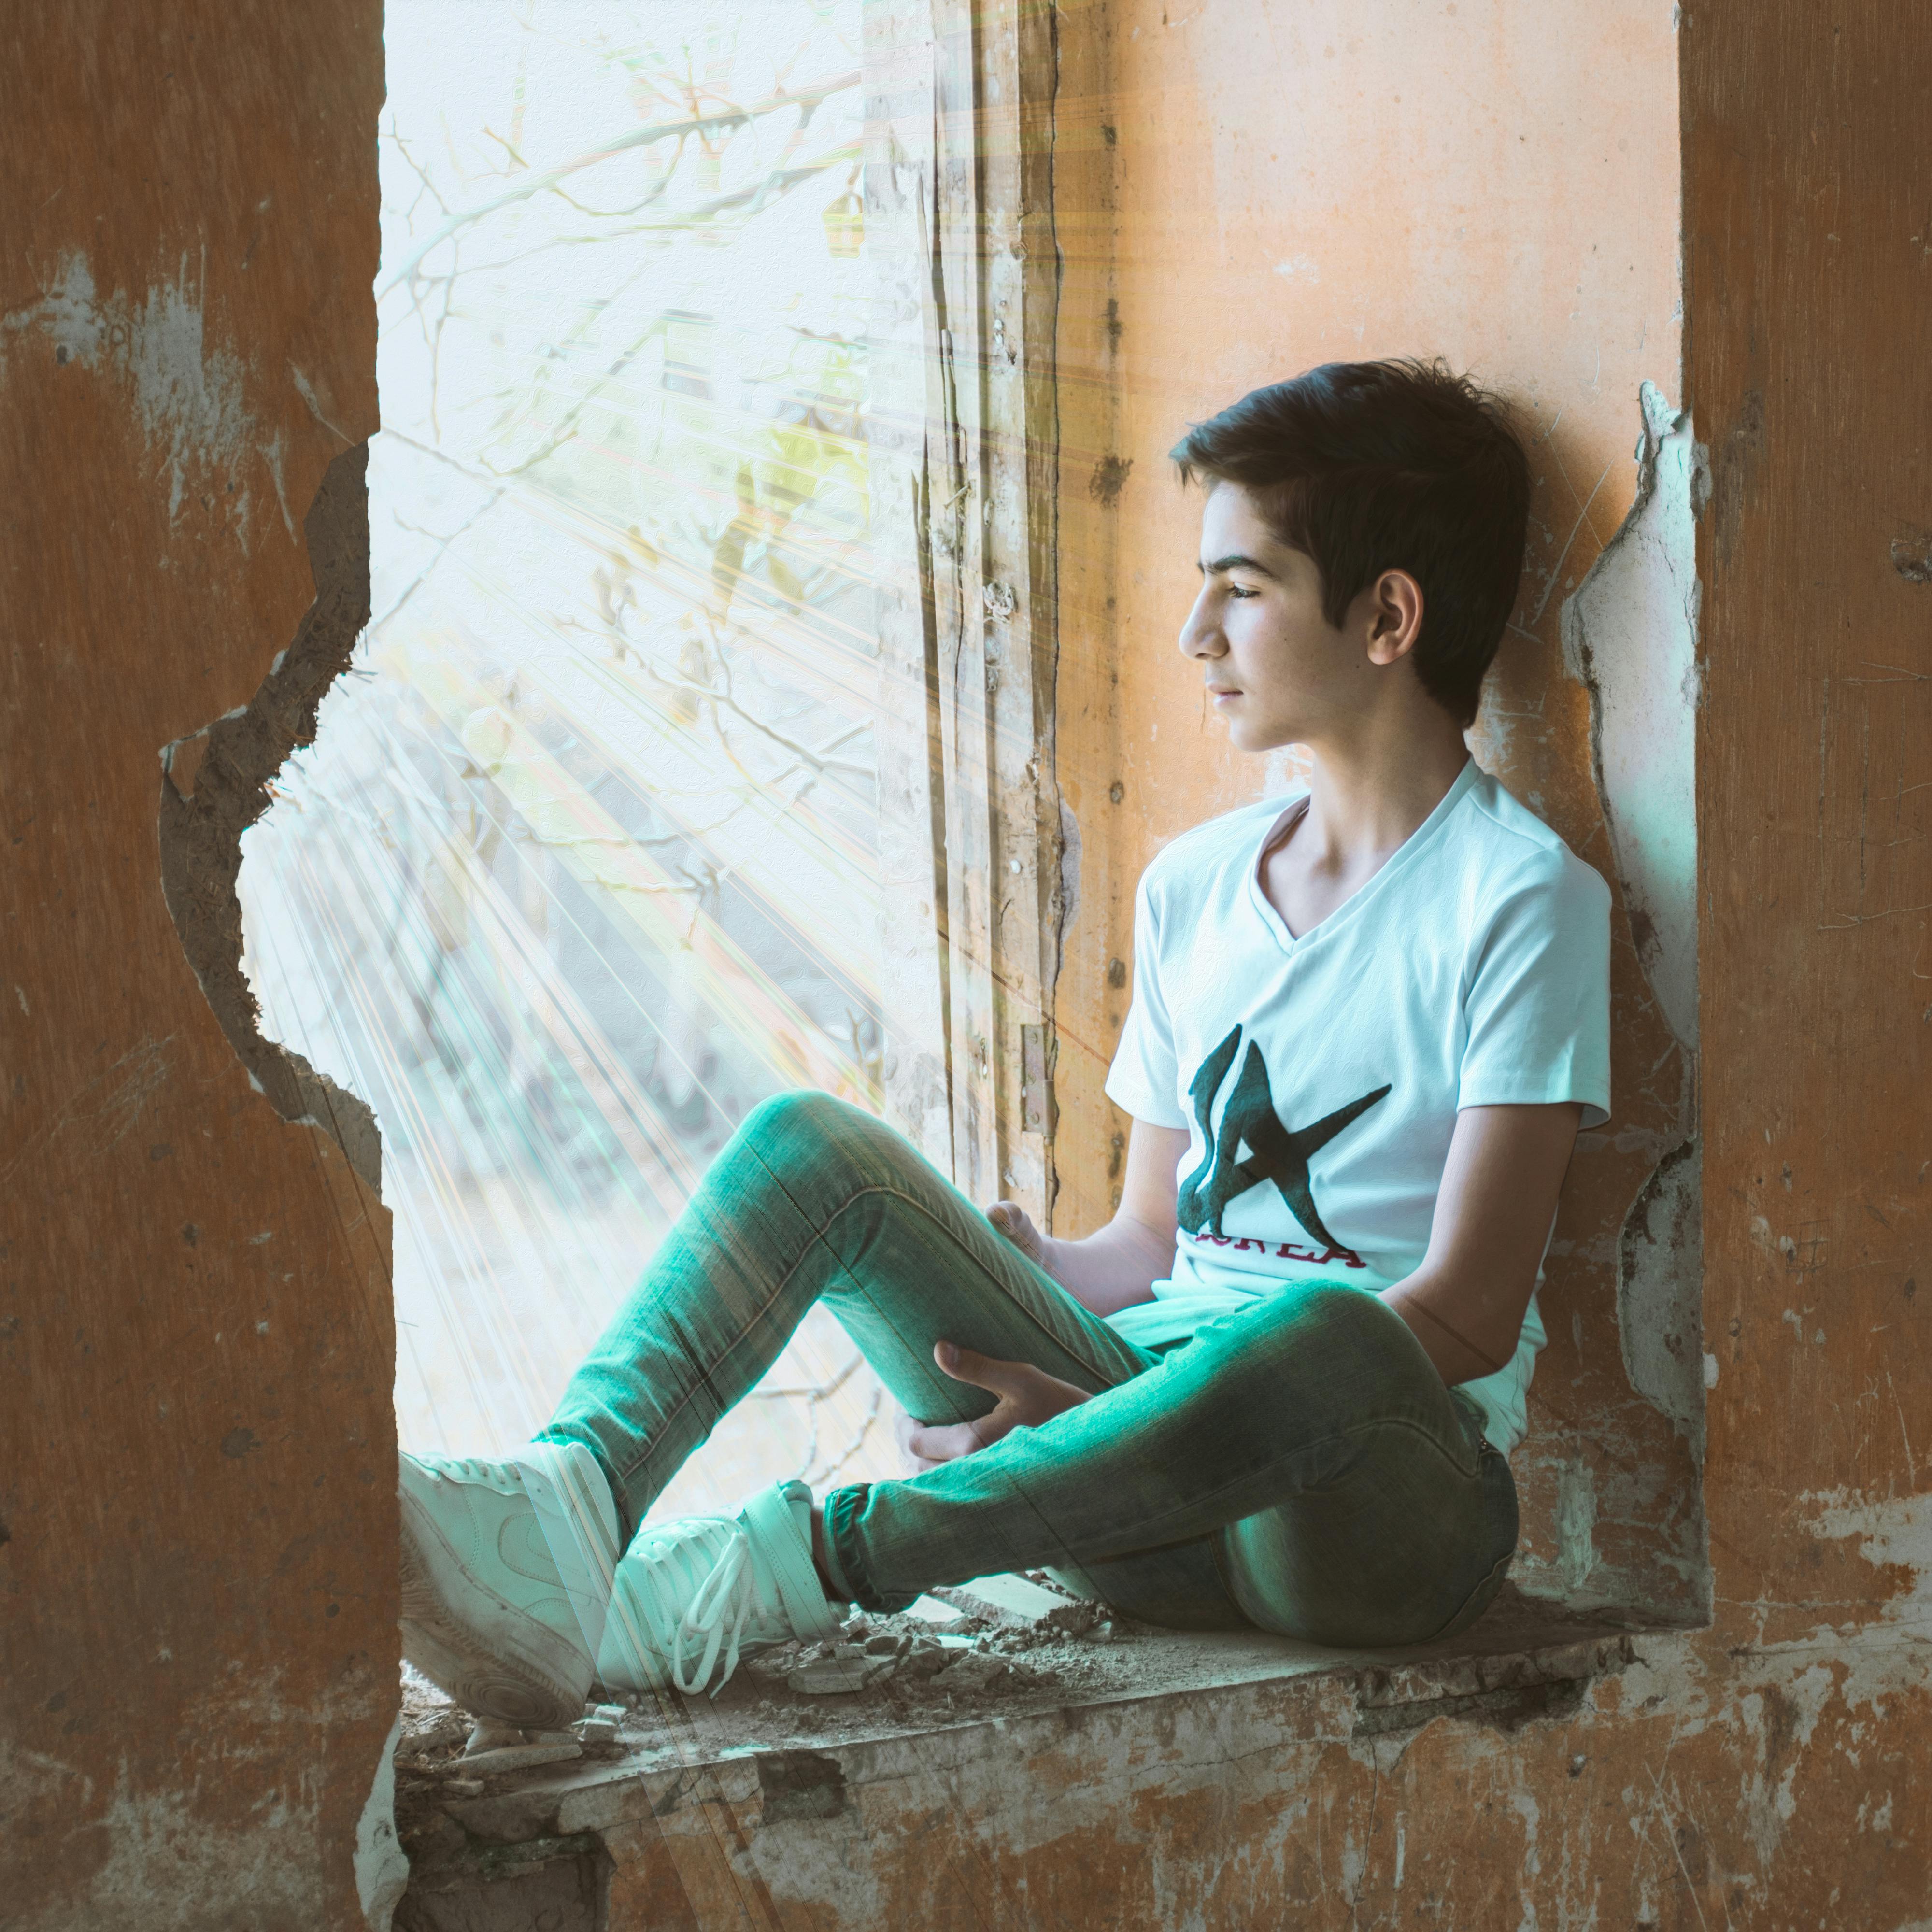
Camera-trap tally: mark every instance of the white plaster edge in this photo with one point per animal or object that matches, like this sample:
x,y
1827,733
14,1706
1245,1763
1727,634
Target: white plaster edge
x,y
1630,634
382,1866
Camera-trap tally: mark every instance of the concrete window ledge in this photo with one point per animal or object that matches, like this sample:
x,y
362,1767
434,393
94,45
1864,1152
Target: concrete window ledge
x,y
848,1810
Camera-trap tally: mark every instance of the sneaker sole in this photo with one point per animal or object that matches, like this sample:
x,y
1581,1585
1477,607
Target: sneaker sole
x,y
487,1680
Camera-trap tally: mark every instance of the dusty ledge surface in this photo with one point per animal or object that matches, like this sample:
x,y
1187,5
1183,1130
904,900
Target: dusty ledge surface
x,y
776,1754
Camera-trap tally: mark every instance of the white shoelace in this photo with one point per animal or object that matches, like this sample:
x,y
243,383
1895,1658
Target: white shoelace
x,y
464,1468
724,1602
717,1586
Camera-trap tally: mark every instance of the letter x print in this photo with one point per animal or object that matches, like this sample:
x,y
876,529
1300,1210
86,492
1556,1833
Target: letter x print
x,y
1277,1152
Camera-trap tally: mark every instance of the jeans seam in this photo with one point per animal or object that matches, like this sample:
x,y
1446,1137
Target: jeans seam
x,y
818,1234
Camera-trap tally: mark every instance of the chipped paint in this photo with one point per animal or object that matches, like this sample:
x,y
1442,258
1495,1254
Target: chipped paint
x,y
1678,1781
382,1868
238,1876
1630,633
215,786
1894,1535
1630,637
187,393
1660,1296
1576,1521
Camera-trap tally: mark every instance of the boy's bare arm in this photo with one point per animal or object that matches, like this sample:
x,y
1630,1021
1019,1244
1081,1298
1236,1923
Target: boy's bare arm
x,y
1118,1265
1466,1302
1112,1268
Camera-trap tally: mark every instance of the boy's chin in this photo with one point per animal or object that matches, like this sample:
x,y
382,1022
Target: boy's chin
x,y
1257,740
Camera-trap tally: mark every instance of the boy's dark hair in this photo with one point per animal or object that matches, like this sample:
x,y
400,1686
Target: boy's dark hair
x,y
1369,467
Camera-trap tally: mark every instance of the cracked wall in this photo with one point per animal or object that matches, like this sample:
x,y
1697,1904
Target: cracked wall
x,y
1629,636
196,1451
217,786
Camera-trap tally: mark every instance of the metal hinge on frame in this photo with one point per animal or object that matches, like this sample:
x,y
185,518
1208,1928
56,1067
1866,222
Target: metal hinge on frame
x,y
1038,1052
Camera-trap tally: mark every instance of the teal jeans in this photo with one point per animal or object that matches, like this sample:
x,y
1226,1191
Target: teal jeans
x,y
1299,1467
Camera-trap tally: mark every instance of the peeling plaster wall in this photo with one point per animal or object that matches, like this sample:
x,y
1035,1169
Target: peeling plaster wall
x,y
1630,633
1629,636
216,786
197,1607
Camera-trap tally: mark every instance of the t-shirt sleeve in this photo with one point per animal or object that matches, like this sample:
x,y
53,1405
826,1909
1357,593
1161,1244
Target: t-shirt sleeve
x,y
1538,1005
1145,1080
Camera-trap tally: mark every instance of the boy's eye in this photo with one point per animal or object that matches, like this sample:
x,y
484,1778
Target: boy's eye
x,y
1241,590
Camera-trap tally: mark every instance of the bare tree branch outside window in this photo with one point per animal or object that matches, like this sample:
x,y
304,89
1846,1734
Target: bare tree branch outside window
x,y
585,865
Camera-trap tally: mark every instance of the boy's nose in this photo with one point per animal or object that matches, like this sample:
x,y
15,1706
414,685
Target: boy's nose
x,y
1200,635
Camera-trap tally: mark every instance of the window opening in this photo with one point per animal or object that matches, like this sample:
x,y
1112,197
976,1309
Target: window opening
x,y
584,862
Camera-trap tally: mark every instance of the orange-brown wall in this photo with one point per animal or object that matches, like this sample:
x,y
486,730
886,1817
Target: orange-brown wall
x,y
197,1590
1248,187
1807,263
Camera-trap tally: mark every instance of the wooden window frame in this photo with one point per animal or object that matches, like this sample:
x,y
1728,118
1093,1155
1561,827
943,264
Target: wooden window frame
x,y
965,474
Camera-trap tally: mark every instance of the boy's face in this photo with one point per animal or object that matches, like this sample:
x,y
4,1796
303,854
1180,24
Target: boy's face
x,y
1275,668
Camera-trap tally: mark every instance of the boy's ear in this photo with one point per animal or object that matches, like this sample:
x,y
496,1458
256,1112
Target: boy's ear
x,y
1394,602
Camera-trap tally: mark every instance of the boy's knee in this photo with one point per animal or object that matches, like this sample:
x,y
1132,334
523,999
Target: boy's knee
x,y
1307,1320
806,1131
803,1111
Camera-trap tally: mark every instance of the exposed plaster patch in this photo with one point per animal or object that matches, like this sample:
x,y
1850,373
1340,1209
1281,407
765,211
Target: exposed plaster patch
x,y
188,397
1575,1524
225,769
1911,556
1895,1535
382,1868
1781,1718
165,1867
1660,1317
1630,633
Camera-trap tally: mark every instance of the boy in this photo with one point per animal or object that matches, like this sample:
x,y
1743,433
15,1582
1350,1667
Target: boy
x,y
1279,1388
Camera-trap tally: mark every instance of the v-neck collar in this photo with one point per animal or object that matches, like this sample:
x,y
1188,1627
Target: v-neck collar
x,y
1404,856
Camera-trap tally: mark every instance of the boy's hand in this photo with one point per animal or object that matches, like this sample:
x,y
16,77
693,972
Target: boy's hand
x,y
1009,1219
1027,1397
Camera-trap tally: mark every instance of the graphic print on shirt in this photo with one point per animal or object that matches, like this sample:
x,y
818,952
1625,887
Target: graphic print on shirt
x,y
1278,1154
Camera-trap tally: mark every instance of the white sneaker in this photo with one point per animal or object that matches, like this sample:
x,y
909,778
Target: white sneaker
x,y
686,1590
506,1578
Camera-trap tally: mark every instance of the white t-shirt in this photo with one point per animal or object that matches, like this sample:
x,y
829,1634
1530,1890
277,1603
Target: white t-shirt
x,y
1320,1078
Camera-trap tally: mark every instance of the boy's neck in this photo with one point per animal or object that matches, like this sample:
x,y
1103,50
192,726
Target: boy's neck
x,y
1369,793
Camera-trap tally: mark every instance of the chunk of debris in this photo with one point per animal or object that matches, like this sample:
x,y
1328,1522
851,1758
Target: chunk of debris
x,y
924,1660
445,1730
1014,1603
599,1725
489,1735
972,1670
837,1676
513,1757
940,1616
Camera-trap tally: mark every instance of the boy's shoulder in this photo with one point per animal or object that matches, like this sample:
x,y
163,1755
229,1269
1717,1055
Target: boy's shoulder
x,y
1190,860
1499,847
1517,851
